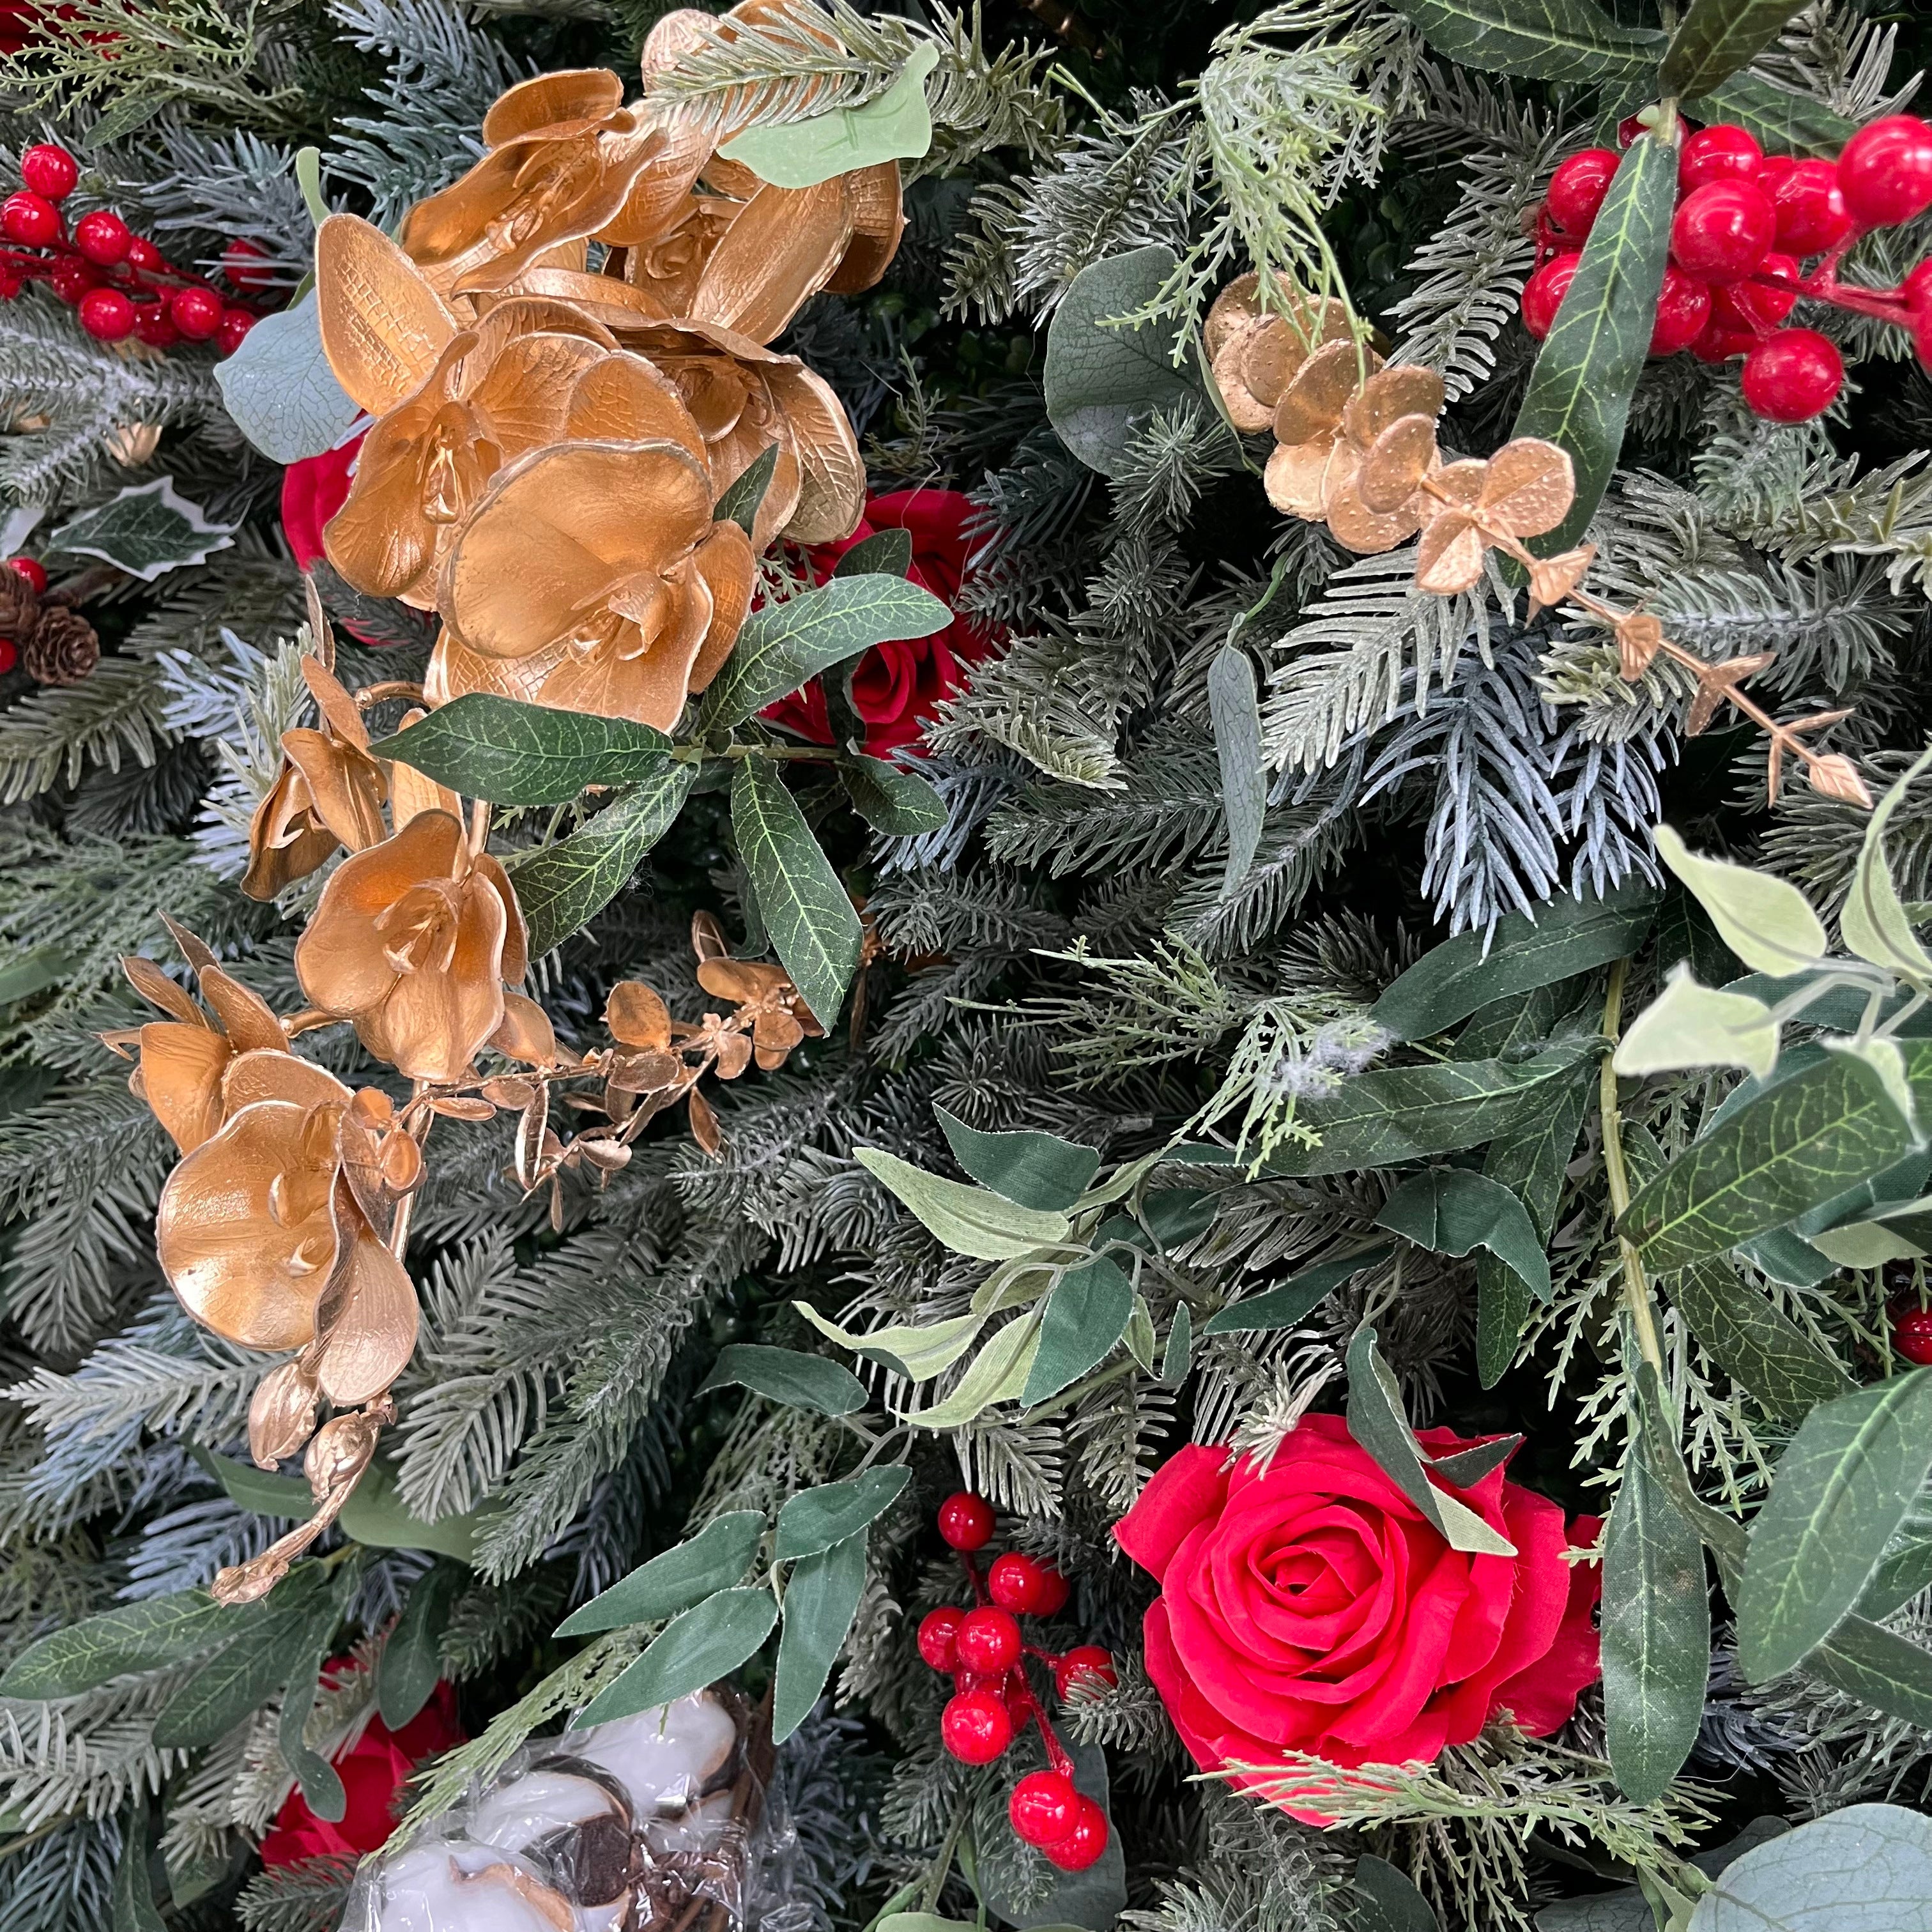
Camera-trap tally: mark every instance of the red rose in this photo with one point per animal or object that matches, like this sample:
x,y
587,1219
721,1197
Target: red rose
x,y
313,490
896,687
372,1770
1314,1609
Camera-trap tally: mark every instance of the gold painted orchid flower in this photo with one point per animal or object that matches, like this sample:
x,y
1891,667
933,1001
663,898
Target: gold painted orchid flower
x,y
411,941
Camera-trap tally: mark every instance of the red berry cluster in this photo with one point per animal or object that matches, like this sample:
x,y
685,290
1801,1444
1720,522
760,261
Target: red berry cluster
x,y
1745,222
985,1651
118,282
35,572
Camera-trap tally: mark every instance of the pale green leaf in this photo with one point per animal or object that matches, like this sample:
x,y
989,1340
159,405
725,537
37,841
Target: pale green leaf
x,y
998,1373
1690,1025
1766,921
280,389
821,1600
907,1349
894,125
969,1220
1873,923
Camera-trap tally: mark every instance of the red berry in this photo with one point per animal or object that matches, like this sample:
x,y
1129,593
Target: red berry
x,y
10,284
235,324
1683,309
1718,154
155,326
1088,1663
966,1521
1724,335
1885,172
197,312
1044,1808
104,237
1917,288
937,1631
1086,1844
9,656
1810,209
1629,129
32,569
246,264
1792,376
70,278
1017,1582
1055,1590
50,171
1765,300
989,1641
1723,231
1543,294
107,315
1577,189
975,1727
1774,168
1911,1337
30,219
142,254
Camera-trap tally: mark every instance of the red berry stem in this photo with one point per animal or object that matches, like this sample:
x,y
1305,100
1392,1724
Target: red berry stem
x,y
1020,1692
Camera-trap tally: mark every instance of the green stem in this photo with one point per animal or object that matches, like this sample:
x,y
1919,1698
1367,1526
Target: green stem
x,y
935,1879
1637,1289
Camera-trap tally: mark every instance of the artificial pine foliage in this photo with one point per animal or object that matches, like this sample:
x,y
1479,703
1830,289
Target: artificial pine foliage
x,y
1371,1059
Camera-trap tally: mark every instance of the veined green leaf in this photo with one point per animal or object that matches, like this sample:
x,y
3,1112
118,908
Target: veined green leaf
x,y
1451,1210
1877,1667
1872,922
512,754
1766,921
1033,1170
1541,40
821,1599
1717,38
889,550
1839,1494
1690,1025
969,1220
890,799
1781,120
1236,714
279,386
1579,391
1759,1348
247,1671
1902,1572
562,887
739,503
411,1660
705,1643
808,914
1178,1357
908,1350
147,1636
894,125
814,1520
1824,1130
1282,1306
675,1579
1866,1868
1084,1317
788,1375
998,1374
322,1786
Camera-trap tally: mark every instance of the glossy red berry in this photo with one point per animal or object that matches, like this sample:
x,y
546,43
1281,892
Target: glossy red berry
x,y
1055,1590
235,324
989,1640
1724,337
155,326
1017,1583
1044,1808
1683,309
30,219
1085,1845
9,656
195,312
102,236
938,1632
1912,1334
975,1727
1543,294
1763,301
1629,128
966,1521
142,254
1718,154
1722,232
50,171
32,569
107,315
1917,288
1884,172
70,278
1810,209
246,264
1088,1663
11,283
1792,375
1577,189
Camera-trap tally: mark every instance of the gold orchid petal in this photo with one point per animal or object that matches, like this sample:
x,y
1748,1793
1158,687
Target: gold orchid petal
x,y
370,1317
669,267
730,569
1238,303
1529,488
504,317
181,1067
831,473
610,303
574,93
637,1017
285,843
525,395
160,992
641,675
383,326
412,791
381,540
878,221
345,785
246,1017
243,1230
455,671
1450,557
265,1073
338,709
281,1415
779,252
1396,461
661,186
1312,404
682,31
623,398
516,961
437,1017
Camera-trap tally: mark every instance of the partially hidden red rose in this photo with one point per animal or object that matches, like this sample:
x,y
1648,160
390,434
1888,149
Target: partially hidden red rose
x,y
313,490
1314,1608
897,687
373,1769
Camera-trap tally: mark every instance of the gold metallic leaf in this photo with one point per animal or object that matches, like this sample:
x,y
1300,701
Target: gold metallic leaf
x,y
1312,404
383,326
779,252
1237,303
1450,557
704,1129
1270,355
368,1318
878,220
1387,396
1552,578
1350,520
1639,637
636,1016
1245,410
526,1034
1295,478
585,95
281,1416
1397,461
1529,488
1836,776
624,398
181,1067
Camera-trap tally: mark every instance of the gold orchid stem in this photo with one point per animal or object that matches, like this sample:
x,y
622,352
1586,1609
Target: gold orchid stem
x,y
479,826
1637,1287
377,693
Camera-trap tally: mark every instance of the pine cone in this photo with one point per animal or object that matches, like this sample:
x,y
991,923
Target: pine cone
x,y
62,649
20,605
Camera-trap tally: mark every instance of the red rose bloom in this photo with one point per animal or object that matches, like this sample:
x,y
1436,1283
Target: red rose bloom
x,y
896,687
313,490
373,1769
1314,1609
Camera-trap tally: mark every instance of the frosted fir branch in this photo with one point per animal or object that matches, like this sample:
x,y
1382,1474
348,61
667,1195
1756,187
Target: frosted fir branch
x,y
1829,52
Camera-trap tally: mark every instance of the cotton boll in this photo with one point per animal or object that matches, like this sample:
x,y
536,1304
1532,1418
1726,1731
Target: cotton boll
x,y
570,1826
697,1830
664,1757
450,1887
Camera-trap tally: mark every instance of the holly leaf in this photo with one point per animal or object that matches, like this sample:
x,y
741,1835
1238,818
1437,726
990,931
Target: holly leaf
x,y
1781,120
147,530
280,389
894,125
494,748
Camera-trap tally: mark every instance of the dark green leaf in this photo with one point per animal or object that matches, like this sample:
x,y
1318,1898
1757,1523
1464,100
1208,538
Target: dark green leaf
x,y
1033,1170
1878,1667
784,645
1718,38
147,530
1175,1216
820,1600
1179,1357
1838,1498
788,1375
133,1907
1101,382
1541,40
1451,1210
1781,120
147,1636
1897,1186
1787,1257
807,913
1656,1634
562,887
1903,1571
1865,1868
1237,717
1395,1113
1463,974
261,1490
1093,1898
1799,1142
411,1660
739,503
890,799
1759,1348
1579,391
1507,1029
488,747
1390,1900
886,552
1284,1305
321,1787
705,1643
814,1520
375,1514
244,1674
1465,1468
1086,1314
715,1559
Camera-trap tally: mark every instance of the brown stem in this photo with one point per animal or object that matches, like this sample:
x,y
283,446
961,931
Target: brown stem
x,y
395,687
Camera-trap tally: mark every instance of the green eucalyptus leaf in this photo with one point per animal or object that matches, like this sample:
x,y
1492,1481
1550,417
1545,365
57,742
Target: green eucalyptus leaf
x,y
1236,714
484,746
675,1579
1451,1210
1690,1025
1717,38
1540,40
1032,1170
1390,1900
1759,1347
814,1520
1291,1301
1178,1357
1766,921
132,1908
1084,1316
321,1786
821,1601
1586,371
969,1220
562,888
894,125
788,1375
1866,1868
411,1660
889,798
707,1642
280,389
